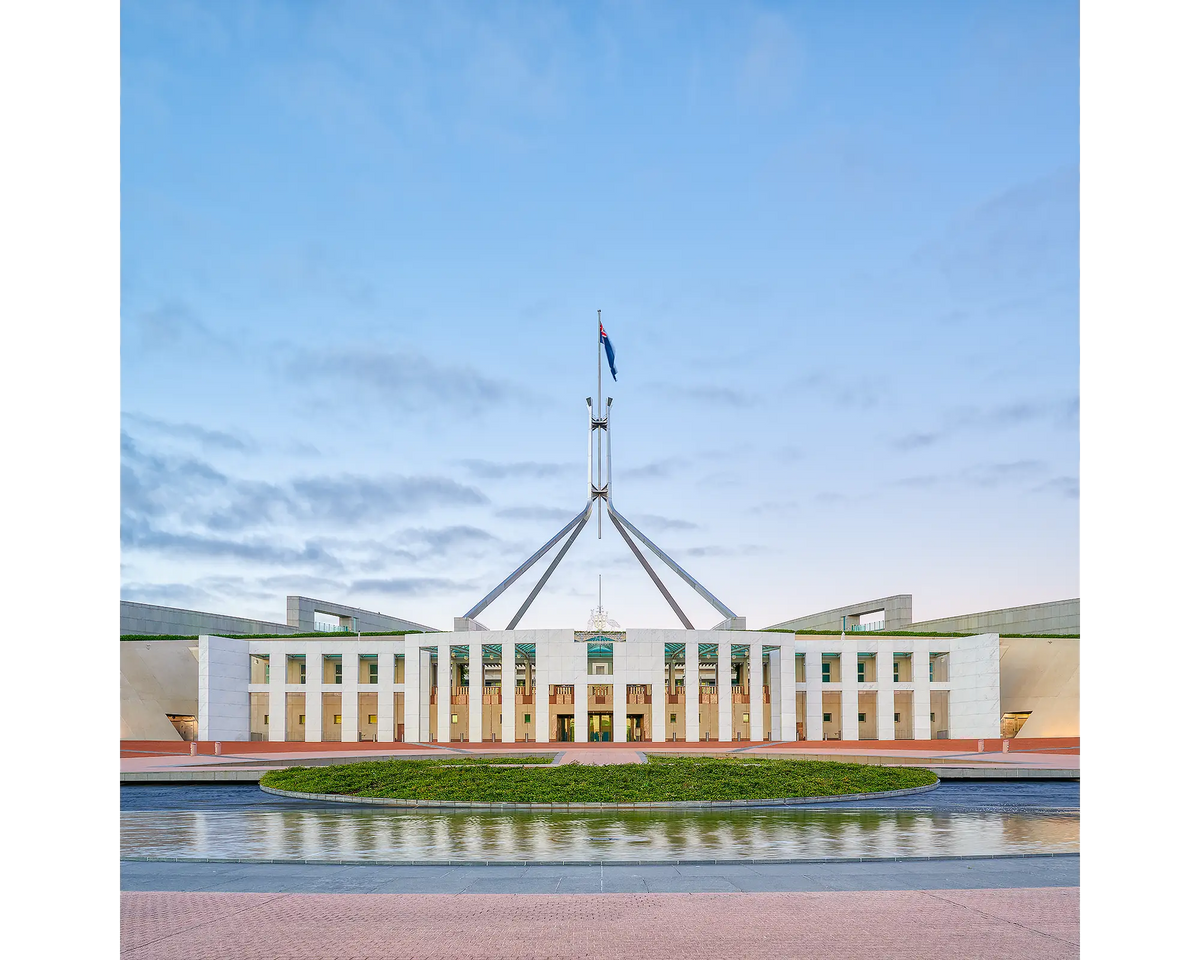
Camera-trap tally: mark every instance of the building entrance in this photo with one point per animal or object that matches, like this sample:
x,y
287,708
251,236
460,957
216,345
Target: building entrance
x,y
633,728
600,727
566,728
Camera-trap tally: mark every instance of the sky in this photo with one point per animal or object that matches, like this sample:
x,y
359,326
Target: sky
x,y
836,247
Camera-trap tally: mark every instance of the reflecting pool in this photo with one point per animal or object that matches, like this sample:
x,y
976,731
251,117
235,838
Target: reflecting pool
x,y
244,823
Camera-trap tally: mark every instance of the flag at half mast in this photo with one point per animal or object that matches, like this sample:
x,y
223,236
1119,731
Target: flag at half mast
x,y
612,360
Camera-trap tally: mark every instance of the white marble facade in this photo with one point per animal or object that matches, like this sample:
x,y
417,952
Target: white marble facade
x,y
972,684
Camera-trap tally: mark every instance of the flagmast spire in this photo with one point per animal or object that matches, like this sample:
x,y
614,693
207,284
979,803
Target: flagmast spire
x,y
598,413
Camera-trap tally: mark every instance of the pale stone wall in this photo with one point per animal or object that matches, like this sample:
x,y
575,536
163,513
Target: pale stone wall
x,y
1041,676
157,677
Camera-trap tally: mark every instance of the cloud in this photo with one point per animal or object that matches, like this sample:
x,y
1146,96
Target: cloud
x,y
209,439
718,396
1024,240
173,325
492,470
770,69
1060,413
654,522
1063,486
849,392
994,474
555,514
656,469
138,534
352,499
406,380
410,586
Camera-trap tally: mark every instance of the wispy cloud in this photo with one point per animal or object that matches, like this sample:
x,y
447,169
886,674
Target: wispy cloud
x,y
411,586
406,380
206,438
656,469
552,514
1063,486
493,470
657,523
1060,413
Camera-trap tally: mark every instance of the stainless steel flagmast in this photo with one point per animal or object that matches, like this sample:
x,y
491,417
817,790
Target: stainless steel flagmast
x,y
599,488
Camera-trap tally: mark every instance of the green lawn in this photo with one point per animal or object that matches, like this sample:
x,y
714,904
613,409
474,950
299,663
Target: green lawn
x,y
659,779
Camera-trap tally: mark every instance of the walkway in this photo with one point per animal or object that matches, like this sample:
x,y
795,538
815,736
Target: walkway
x,y
928,925
163,761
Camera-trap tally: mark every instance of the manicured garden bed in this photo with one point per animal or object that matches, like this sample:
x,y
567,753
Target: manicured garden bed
x,y
660,779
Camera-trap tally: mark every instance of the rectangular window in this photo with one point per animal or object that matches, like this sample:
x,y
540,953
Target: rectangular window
x,y
824,672
672,718
370,718
302,673
862,671
454,718
931,670
931,717
526,718
267,674
337,674
897,717
827,717
302,718
862,718
896,671
373,673
745,718
337,718
266,718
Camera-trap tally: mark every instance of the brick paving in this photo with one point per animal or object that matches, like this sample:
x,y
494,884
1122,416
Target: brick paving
x,y
929,925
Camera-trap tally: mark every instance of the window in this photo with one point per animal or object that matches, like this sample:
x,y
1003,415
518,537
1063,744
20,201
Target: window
x,y
266,718
672,718
526,718
862,718
932,717
896,671
745,718
302,718
862,671
931,670
454,718
824,672
267,674
302,671
897,717
373,673
827,717
370,718
337,718
337,676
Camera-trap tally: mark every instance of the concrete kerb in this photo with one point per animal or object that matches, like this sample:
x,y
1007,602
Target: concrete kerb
x,y
567,807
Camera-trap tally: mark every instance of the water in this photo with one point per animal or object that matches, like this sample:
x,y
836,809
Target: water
x,y
956,819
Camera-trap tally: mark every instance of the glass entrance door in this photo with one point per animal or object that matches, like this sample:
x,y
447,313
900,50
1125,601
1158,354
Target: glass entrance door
x,y
566,728
600,727
633,728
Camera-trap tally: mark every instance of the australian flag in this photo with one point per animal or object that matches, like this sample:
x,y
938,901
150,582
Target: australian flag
x,y
612,360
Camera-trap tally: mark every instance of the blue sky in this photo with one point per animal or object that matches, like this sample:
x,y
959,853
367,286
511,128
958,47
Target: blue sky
x,y
836,246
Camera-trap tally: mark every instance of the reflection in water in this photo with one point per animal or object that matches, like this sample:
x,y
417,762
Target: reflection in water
x,y
381,834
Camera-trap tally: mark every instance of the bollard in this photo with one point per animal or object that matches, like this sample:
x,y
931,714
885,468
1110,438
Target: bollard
x,y
217,748
1004,746
980,750
193,748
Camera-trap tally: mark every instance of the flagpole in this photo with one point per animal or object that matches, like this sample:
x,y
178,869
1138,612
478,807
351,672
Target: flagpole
x,y
599,407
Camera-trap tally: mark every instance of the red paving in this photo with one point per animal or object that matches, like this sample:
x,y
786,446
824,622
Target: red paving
x,y
923,925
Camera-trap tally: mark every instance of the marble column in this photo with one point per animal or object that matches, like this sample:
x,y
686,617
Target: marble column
x,y
385,699
724,691
445,685
277,696
691,690
787,689
756,705
850,690
475,690
508,691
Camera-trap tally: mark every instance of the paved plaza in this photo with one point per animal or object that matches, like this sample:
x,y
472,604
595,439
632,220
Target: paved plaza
x,y
910,908
923,925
